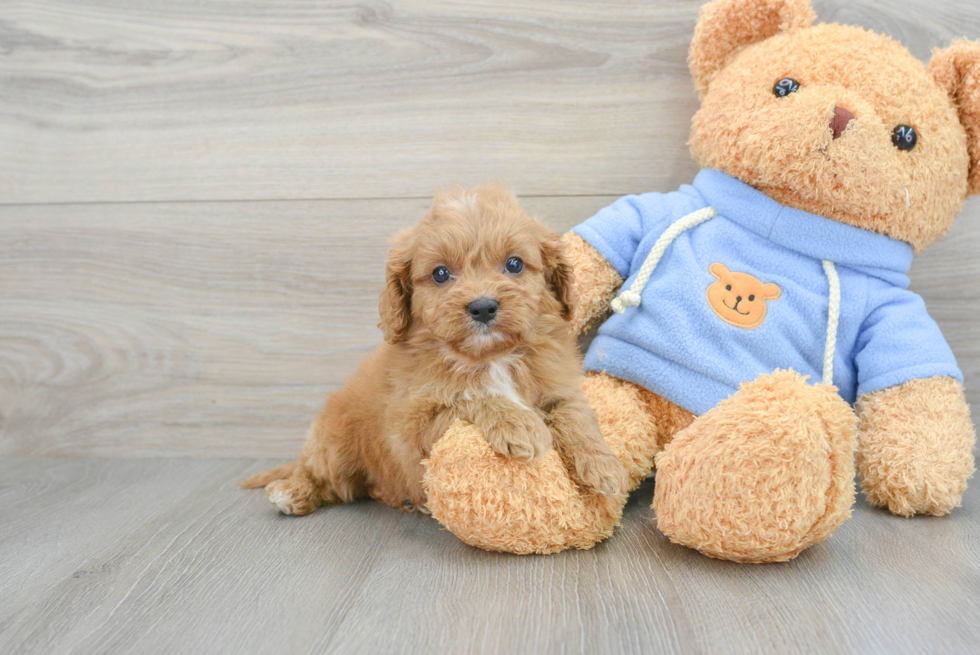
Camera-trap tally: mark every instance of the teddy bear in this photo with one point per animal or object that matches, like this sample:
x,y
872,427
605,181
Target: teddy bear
x,y
763,344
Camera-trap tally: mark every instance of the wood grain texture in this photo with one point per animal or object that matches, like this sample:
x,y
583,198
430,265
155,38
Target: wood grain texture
x,y
211,568
140,100
216,329
56,514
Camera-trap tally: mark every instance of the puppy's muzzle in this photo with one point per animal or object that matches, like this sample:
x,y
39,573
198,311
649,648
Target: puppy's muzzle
x,y
483,310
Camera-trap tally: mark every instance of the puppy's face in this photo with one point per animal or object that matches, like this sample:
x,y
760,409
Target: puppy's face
x,y
476,276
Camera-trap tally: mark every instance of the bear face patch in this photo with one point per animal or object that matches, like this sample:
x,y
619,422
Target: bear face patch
x,y
740,299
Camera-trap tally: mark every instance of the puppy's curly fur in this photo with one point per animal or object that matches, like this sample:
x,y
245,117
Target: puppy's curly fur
x,y
515,376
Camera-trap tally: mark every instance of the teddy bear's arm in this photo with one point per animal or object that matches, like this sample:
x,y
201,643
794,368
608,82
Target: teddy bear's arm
x,y
595,283
915,446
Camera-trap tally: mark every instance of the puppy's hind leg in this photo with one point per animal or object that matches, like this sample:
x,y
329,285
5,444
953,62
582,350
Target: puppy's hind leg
x,y
290,487
297,494
329,469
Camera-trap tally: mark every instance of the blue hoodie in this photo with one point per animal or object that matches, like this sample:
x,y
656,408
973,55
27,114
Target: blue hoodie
x,y
679,345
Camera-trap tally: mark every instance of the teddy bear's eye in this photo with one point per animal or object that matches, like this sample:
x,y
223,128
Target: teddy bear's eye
x,y
440,275
785,86
904,137
728,287
752,297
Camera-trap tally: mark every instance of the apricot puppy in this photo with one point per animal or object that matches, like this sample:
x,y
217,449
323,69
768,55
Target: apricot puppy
x,y
475,313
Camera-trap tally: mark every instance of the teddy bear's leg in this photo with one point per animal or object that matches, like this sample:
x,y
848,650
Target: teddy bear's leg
x,y
501,504
508,505
915,446
635,423
763,475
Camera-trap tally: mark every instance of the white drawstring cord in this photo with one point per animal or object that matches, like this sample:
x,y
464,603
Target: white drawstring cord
x,y
833,318
631,297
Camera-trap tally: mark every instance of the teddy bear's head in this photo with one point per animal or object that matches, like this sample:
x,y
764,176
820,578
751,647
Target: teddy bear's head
x,y
836,120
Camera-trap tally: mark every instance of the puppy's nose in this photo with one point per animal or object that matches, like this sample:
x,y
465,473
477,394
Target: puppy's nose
x,y
841,119
483,310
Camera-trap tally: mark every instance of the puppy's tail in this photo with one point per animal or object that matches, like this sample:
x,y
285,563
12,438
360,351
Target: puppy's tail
x,y
265,477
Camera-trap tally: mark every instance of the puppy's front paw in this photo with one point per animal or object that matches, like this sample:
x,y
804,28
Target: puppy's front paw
x,y
601,472
295,496
521,435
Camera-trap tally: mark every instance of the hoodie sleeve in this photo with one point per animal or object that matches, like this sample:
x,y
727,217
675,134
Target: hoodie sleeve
x,y
617,230
899,341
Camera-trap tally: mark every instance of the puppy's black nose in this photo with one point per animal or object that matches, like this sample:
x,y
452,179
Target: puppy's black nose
x,y
483,310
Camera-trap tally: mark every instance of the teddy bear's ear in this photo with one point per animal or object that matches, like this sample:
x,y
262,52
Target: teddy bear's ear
x,y
718,269
957,70
771,291
726,26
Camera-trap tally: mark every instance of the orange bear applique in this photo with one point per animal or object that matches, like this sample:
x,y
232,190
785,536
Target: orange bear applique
x,y
740,299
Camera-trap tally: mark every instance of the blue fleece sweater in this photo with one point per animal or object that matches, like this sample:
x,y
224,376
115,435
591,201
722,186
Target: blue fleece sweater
x,y
680,343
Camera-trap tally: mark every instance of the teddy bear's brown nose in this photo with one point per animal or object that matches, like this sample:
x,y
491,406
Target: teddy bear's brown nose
x,y
841,118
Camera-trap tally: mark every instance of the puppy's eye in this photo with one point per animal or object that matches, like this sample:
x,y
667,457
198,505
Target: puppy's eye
x,y
785,86
728,287
904,137
440,275
514,265
751,298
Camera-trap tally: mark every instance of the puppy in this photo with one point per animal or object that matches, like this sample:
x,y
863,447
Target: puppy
x,y
475,314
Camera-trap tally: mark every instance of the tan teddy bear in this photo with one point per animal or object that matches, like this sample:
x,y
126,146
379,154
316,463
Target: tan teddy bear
x,y
757,305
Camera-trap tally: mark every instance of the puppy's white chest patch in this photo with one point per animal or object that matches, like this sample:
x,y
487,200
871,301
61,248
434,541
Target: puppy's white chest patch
x,y
500,382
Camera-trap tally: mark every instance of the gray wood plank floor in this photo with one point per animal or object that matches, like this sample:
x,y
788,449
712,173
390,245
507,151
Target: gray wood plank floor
x,y
168,556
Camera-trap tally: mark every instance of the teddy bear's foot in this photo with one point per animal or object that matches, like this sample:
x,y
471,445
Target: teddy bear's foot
x,y
502,504
762,476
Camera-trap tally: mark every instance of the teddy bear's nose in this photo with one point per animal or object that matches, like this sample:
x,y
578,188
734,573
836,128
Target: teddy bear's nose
x,y
841,118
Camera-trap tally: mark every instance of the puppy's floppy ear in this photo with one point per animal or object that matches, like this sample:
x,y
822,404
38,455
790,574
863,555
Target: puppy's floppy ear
x,y
559,273
725,27
957,71
396,297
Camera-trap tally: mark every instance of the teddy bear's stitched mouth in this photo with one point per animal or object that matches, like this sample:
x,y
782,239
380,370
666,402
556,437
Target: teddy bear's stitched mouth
x,y
734,308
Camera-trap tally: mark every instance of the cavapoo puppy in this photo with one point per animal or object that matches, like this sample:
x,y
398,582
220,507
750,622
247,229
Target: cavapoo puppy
x,y
475,314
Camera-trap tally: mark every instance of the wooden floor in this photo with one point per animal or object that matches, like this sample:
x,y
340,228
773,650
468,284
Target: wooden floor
x,y
168,556
195,197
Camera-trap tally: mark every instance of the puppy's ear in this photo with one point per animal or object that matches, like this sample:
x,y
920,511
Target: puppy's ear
x,y
957,72
559,273
396,297
725,27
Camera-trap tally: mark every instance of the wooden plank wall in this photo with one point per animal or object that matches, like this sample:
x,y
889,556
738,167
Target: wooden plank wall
x,y
195,196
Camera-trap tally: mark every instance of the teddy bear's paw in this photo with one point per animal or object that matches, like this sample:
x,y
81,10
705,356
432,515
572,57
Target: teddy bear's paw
x,y
508,505
916,446
916,494
762,476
